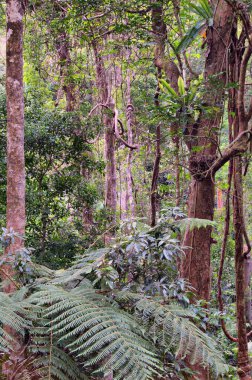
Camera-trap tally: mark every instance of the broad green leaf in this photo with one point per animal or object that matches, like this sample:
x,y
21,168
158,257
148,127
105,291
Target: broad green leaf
x,y
191,35
168,87
181,86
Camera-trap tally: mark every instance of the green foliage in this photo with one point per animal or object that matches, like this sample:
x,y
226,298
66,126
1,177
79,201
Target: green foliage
x,y
204,11
85,321
12,315
170,326
96,332
191,223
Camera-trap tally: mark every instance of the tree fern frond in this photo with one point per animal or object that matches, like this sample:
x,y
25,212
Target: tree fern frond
x,y
192,223
83,266
52,362
12,315
168,325
97,333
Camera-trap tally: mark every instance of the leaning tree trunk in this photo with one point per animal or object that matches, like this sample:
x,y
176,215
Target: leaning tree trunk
x,y
195,266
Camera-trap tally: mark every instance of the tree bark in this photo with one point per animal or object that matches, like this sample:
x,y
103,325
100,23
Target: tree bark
x,y
16,218
104,85
195,267
159,29
244,367
63,50
129,196
15,158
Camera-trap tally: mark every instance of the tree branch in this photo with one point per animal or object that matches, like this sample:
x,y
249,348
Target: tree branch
x,y
117,133
238,146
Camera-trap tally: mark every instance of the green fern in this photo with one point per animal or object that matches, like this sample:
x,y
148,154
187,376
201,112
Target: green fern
x,y
97,333
170,327
192,223
84,265
51,361
11,316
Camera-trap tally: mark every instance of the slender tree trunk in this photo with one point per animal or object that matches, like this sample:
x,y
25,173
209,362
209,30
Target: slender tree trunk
x,y
159,29
244,367
172,74
177,169
247,285
154,183
130,197
104,85
63,47
15,125
15,157
65,63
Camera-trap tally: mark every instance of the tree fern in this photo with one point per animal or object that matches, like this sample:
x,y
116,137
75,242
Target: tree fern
x,y
169,326
191,223
84,265
10,316
97,333
50,360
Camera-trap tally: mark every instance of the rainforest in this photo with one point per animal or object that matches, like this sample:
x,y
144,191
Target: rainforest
x,y
125,189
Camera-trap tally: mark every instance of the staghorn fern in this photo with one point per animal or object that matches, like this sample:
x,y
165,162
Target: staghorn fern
x,y
169,326
97,333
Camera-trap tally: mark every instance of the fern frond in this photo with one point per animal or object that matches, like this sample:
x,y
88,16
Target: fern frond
x,y
83,266
169,327
98,333
191,223
12,315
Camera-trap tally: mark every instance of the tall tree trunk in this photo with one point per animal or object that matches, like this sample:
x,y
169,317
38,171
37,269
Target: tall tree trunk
x,y
159,29
104,85
203,135
15,157
63,50
244,367
197,268
63,47
172,74
130,197
177,171
15,125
